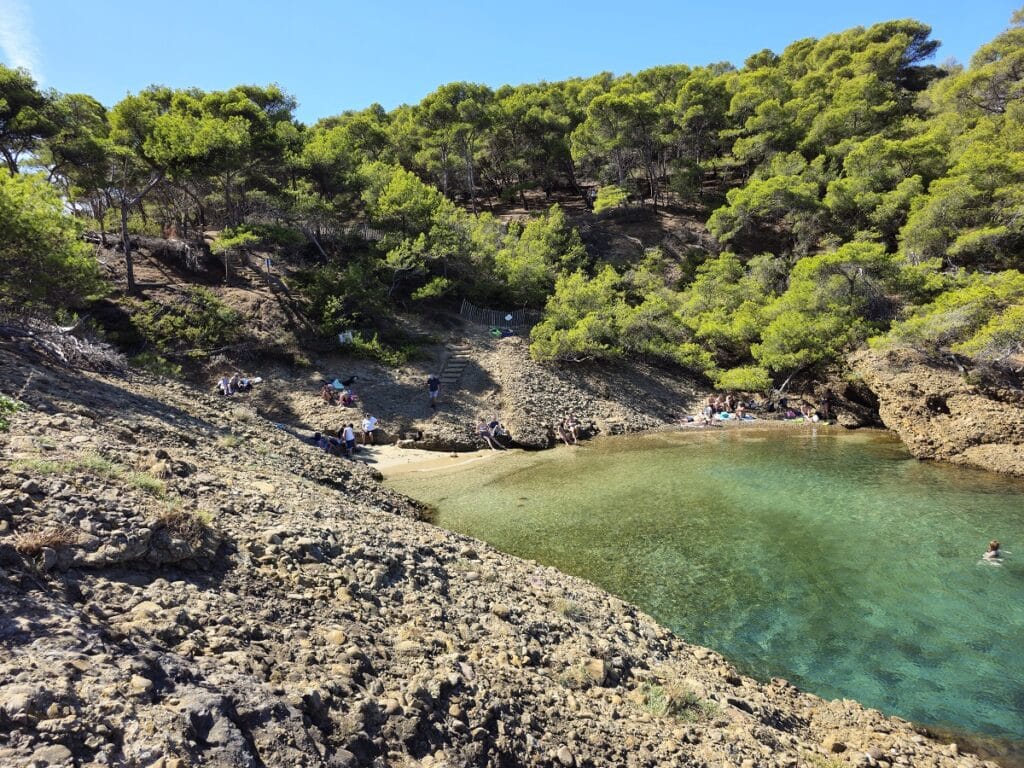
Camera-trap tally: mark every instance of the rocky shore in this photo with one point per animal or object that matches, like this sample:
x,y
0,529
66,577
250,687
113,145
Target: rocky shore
x,y
940,414
185,583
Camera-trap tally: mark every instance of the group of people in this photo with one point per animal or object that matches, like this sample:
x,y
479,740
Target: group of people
x,y
339,392
231,385
724,407
344,442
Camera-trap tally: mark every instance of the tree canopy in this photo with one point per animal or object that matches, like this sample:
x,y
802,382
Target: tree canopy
x,y
848,187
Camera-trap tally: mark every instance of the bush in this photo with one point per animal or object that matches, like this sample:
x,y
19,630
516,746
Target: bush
x,y
381,352
609,197
747,378
8,405
677,701
194,327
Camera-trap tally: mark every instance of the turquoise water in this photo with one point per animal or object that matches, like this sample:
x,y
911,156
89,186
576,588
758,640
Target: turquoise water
x,y
832,559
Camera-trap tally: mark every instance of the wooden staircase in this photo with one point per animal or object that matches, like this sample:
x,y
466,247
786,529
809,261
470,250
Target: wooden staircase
x,y
456,363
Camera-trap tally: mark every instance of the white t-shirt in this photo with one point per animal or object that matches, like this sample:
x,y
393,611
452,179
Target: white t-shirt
x,y
349,434
370,424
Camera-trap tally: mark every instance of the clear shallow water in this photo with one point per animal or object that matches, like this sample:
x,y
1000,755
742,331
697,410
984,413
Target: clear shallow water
x,y
832,559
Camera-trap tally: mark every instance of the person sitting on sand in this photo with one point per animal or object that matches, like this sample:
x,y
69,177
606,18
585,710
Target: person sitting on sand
x,y
224,385
741,411
574,427
348,398
993,553
329,394
498,431
565,433
483,431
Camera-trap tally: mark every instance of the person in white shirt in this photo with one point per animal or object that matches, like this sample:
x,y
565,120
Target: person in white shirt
x,y
370,426
349,436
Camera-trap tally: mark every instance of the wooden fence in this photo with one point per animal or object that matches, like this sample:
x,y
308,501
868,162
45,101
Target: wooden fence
x,y
498,318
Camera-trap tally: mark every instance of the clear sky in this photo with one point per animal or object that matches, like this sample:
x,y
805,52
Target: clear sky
x,y
342,55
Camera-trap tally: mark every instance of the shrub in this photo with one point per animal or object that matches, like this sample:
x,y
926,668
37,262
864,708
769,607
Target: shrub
x,y
678,701
609,197
8,405
747,378
194,327
381,352
147,483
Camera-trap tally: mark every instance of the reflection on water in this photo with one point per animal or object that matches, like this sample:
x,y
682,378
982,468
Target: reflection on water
x,y
830,558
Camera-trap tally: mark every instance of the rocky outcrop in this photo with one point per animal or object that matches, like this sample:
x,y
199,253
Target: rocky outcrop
x,y
939,414
260,603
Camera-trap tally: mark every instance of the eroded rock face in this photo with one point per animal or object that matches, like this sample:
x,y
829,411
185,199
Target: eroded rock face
x,y
938,414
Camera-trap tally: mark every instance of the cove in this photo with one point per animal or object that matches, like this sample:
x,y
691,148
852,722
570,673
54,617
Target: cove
x,y
830,558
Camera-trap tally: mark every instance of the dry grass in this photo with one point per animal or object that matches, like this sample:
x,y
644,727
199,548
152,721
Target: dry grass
x,y
183,523
31,543
677,701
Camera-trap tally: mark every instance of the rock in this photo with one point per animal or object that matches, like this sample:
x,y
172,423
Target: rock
x,y
938,414
51,755
32,488
565,756
833,744
140,686
336,637
597,670
47,558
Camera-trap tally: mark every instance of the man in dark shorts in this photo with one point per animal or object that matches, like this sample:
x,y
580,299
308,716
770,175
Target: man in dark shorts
x,y
433,387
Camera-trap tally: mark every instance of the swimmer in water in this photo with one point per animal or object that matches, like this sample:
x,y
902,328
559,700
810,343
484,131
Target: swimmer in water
x,y
993,553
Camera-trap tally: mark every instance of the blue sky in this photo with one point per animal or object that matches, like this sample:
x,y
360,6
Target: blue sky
x,y
342,55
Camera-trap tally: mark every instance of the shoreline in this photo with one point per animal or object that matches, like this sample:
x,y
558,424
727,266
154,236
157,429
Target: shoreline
x,y
392,460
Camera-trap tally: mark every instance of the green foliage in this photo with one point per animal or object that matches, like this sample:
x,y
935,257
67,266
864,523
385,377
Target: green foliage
x,y
980,317
382,352
193,327
341,296
609,197
43,262
25,116
746,378
435,289
8,405
534,256
678,702
580,319
157,364
232,240
850,177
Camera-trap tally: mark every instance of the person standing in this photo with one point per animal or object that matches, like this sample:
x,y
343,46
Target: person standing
x,y
349,436
433,387
370,425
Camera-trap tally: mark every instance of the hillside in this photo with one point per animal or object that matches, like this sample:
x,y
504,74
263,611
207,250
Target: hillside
x,y
187,584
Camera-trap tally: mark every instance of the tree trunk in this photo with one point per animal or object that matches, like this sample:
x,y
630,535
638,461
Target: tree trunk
x,y
470,181
126,246
12,164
